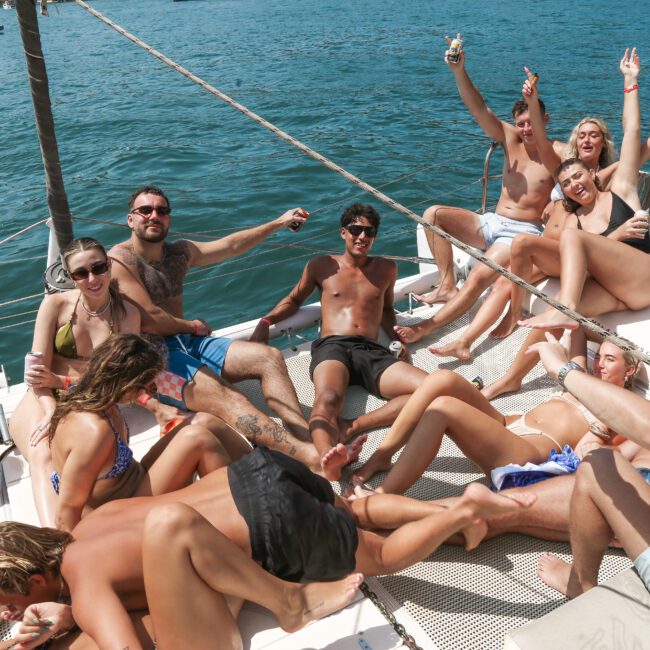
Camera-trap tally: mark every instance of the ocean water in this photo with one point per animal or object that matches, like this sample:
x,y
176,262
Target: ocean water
x,y
363,82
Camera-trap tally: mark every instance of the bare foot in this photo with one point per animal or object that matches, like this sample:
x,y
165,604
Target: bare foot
x,y
506,326
554,572
376,463
490,504
313,601
339,456
499,387
458,348
415,333
439,294
474,534
549,320
346,428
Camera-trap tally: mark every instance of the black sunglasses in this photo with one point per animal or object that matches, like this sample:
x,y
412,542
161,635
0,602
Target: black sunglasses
x,y
98,268
148,210
355,230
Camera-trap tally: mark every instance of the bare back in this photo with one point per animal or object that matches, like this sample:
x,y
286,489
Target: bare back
x,y
353,298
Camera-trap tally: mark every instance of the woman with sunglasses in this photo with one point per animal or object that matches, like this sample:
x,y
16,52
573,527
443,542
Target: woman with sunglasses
x,y
69,326
97,467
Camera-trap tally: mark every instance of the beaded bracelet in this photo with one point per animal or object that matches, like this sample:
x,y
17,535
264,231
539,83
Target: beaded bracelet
x,y
630,89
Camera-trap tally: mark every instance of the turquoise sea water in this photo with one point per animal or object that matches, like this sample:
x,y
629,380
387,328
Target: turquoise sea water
x,y
363,82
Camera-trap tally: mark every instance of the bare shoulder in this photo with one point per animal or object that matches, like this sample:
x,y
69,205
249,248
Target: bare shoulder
x,y
384,266
96,429
321,264
123,253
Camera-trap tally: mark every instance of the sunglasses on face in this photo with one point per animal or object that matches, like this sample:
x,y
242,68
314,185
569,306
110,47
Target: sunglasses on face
x,y
98,268
356,230
148,210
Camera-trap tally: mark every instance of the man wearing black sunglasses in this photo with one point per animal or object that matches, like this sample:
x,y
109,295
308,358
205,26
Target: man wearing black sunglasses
x,y
150,272
356,300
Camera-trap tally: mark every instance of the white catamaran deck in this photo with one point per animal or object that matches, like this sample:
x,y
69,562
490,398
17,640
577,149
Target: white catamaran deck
x,y
453,599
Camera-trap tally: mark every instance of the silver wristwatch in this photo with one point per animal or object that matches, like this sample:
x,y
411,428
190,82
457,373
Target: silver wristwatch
x,y
565,370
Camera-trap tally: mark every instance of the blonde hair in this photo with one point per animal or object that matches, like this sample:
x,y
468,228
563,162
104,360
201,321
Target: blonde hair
x,y
82,244
631,358
608,152
26,551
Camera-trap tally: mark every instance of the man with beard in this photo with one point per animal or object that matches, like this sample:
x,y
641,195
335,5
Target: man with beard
x,y
150,272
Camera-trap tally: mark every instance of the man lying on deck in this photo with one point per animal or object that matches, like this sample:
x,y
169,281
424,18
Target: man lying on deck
x,y
150,273
356,299
525,190
267,506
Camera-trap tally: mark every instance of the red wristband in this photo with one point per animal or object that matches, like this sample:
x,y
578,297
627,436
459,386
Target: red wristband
x,y
629,89
266,321
196,329
66,382
143,399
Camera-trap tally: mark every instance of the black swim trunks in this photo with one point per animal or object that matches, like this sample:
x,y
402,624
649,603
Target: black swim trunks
x,y
364,358
296,532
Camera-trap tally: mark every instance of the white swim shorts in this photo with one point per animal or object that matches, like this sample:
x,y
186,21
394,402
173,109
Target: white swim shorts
x,y
502,230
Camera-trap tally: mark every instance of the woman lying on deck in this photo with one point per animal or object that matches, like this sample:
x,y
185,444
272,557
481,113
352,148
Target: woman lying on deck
x,y
98,466
601,274
447,403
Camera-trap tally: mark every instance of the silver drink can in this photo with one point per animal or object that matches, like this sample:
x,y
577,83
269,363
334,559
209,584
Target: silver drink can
x,y
396,348
32,359
4,427
643,213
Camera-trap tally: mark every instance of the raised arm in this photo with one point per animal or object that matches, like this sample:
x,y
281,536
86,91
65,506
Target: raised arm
x,y
549,157
486,119
290,304
627,175
155,319
202,253
621,410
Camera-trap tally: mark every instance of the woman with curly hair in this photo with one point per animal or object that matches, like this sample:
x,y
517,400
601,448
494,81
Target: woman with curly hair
x,y
89,437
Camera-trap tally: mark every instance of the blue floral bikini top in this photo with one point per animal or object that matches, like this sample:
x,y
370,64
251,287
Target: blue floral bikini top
x,y
123,457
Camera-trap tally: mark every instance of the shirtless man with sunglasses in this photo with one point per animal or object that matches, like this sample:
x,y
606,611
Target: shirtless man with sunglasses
x,y
356,299
150,272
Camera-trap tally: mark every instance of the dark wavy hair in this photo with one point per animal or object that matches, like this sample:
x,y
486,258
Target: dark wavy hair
x,y
569,204
357,210
121,364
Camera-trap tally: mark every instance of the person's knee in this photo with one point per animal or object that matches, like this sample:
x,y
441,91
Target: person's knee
x,y
571,238
434,214
165,523
327,401
198,438
442,380
478,280
521,246
595,462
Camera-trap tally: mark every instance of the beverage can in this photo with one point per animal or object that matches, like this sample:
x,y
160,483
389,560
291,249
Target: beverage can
x,y
396,348
478,382
4,427
643,213
456,47
32,359
297,225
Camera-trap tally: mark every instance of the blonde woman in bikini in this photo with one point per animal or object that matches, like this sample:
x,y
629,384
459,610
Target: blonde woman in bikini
x,y
447,403
69,326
